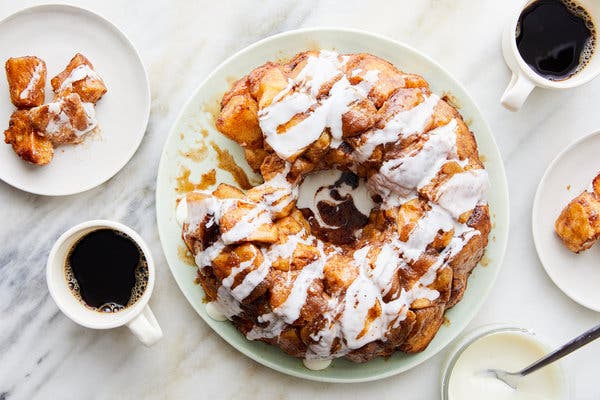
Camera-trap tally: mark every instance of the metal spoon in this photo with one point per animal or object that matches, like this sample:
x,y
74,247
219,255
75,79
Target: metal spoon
x,y
512,378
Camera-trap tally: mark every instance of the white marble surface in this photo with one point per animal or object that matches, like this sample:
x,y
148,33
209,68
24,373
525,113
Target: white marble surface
x,y
43,355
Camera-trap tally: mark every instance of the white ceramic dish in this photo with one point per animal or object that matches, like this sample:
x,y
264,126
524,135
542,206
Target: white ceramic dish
x,y
196,117
55,33
461,344
571,172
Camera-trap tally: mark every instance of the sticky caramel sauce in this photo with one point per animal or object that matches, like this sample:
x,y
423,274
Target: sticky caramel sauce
x,y
485,261
344,215
186,256
196,154
212,108
184,184
226,162
451,99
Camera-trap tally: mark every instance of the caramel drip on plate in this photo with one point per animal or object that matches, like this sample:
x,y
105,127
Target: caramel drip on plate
x,y
184,184
196,154
226,161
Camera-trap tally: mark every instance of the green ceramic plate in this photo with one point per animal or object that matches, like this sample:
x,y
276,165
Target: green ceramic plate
x,y
194,131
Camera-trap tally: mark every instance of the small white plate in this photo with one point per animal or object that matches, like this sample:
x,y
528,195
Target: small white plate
x,y
55,33
571,172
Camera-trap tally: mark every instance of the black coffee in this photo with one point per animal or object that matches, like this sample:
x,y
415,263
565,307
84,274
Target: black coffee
x,y
555,38
107,270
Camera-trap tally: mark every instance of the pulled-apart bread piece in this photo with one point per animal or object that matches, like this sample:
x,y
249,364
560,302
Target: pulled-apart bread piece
x,y
79,77
26,142
578,225
26,81
65,120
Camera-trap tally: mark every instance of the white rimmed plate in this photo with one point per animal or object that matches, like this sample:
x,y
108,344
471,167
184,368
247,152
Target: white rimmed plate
x,y
55,33
571,172
194,130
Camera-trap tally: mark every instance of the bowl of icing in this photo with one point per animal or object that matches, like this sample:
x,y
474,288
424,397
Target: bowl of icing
x,y
504,347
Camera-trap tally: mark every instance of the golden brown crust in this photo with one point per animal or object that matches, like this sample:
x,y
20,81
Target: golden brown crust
x,y
463,263
66,131
26,142
89,89
427,323
26,81
578,225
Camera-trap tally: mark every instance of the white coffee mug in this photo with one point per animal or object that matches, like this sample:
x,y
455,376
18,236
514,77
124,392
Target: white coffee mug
x,y
137,317
524,79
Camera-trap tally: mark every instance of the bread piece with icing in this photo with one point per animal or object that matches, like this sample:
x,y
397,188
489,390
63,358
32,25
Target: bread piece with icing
x,y
65,120
578,224
26,81
26,142
79,77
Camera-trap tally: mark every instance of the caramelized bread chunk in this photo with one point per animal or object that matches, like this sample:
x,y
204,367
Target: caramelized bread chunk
x,y
65,120
578,225
26,142
79,77
26,81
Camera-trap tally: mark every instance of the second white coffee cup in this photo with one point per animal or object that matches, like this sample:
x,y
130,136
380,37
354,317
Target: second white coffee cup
x,y
137,317
524,79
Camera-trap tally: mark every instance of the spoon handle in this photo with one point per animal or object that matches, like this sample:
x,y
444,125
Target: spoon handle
x,y
567,348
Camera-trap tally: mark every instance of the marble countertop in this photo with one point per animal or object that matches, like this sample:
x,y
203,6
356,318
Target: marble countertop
x,y
44,355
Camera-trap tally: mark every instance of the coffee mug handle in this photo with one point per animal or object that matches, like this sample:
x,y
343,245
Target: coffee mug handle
x,y
145,327
517,91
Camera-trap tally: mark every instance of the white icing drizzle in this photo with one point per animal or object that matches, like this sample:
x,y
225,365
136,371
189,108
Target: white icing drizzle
x,y
229,306
435,220
205,257
365,293
56,122
316,365
321,113
228,282
374,282
402,124
59,119
283,194
286,249
181,212
255,217
398,179
289,311
359,314
251,281
353,327
33,81
78,73
90,112
362,296
213,309
463,191
387,263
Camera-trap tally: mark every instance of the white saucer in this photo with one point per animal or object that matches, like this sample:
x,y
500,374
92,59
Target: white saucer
x,y
55,33
571,172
